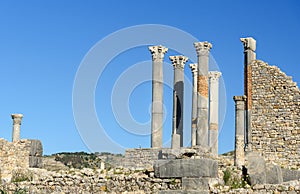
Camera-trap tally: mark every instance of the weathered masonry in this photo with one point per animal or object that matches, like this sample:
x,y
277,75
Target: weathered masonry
x,y
20,153
272,115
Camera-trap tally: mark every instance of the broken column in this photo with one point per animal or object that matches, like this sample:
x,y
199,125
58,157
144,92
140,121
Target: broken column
x,y
194,69
214,111
17,119
239,154
202,49
158,53
249,56
177,134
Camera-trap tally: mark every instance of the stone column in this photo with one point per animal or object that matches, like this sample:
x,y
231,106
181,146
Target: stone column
x,y
214,111
239,154
249,56
17,119
158,53
177,135
203,49
194,69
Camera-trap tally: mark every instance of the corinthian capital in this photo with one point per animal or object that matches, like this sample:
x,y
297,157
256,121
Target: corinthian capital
x,y
17,119
249,43
158,52
178,61
214,75
202,48
194,68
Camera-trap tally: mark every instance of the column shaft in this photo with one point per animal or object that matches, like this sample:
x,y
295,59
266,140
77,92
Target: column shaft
x,y
17,119
157,95
239,154
214,111
194,69
249,56
202,49
177,135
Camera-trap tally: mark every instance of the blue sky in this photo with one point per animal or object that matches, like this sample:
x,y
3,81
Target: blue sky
x,y
42,44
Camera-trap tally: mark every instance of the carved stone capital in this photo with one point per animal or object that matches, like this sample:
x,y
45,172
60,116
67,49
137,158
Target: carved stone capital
x,y
158,52
214,75
194,68
178,61
239,98
202,48
249,43
17,119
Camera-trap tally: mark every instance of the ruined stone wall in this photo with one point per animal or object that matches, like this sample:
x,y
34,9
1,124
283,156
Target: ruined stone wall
x,y
19,155
13,156
275,115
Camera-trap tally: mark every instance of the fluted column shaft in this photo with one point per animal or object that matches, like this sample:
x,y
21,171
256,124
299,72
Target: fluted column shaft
x,y
239,153
214,111
203,49
17,119
177,135
194,69
158,53
249,56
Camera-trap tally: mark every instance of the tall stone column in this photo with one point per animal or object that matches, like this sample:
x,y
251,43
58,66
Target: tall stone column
x,y
17,119
177,135
249,56
194,69
158,53
239,154
203,49
214,111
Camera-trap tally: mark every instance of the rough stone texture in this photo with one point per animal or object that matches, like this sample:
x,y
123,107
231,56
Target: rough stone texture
x,y
186,168
141,158
275,115
13,156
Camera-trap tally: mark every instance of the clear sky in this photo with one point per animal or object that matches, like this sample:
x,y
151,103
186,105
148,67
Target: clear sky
x,y
43,45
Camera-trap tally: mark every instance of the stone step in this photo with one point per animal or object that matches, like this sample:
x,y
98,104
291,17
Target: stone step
x,y
186,168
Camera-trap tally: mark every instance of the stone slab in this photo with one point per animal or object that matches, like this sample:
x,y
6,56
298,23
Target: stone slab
x,y
195,183
273,174
289,175
256,169
186,168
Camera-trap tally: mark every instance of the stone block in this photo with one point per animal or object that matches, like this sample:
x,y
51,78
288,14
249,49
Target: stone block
x,y
273,174
186,168
36,148
256,169
289,175
195,183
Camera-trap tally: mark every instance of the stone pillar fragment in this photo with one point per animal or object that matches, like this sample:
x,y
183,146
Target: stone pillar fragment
x,y
203,49
249,56
17,119
214,111
177,135
239,154
158,53
194,69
